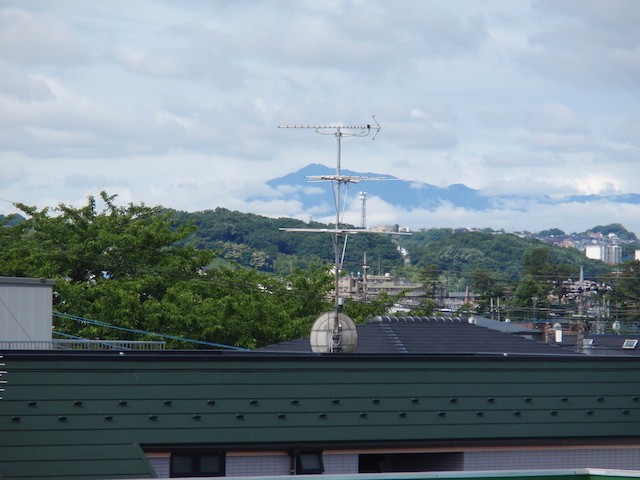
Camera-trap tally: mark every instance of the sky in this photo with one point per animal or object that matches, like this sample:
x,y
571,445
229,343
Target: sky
x,y
178,103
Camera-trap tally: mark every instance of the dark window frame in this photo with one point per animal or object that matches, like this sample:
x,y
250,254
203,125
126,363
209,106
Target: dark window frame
x,y
303,466
196,469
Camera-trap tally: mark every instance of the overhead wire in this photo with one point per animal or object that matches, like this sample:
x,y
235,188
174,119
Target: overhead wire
x,y
98,323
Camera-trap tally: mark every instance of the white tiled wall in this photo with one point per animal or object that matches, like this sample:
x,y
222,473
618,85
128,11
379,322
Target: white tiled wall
x,y
614,458
340,464
161,465
262,465
259,465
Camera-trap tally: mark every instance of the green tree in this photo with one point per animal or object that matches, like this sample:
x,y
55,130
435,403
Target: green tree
x,y
425,309
530,297
552,231
485,283
550,276
430,279
361,312
625,293
126,266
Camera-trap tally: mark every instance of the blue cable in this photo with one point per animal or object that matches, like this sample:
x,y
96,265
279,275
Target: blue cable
x,y
144,332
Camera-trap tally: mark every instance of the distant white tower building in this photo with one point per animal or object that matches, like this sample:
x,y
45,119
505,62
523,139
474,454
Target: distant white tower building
x,y
611,254
363,210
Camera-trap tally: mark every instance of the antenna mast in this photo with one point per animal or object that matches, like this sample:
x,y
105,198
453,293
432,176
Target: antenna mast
x,y
338,179
339,234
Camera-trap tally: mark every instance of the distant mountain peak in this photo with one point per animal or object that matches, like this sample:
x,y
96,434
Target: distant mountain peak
x,y
410,195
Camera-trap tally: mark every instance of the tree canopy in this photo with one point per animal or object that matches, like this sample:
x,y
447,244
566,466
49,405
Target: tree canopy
x,y
257,241
129,266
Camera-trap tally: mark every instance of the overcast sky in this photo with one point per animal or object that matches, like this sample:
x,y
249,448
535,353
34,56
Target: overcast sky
x,y
177,103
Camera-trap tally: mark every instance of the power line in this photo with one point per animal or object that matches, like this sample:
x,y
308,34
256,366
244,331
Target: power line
x,y
98,323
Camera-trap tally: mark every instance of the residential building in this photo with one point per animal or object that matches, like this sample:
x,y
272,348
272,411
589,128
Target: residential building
x,y
90,415
611,254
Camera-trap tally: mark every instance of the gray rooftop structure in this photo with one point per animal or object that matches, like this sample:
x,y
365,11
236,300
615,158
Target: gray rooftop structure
x,y
26,309
437,335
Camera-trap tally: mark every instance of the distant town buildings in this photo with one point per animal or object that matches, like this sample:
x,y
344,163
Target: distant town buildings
x,y
607,248
414,292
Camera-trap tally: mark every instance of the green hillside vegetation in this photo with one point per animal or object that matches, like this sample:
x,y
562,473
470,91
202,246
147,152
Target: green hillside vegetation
x,y
616,228
225,277
257,241
11,220
464,252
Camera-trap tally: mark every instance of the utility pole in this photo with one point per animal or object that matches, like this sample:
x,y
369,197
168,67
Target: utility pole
x,y
581,323
365,276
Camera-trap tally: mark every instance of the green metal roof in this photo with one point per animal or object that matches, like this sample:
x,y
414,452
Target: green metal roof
x,y
87,412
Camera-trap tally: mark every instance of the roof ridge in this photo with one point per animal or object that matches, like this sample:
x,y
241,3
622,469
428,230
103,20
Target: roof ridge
x,y
407,319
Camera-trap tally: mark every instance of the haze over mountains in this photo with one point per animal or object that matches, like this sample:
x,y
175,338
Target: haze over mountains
x,y
418,198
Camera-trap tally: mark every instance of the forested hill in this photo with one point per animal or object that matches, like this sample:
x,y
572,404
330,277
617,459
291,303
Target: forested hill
x,y
256,241
465,252
11,220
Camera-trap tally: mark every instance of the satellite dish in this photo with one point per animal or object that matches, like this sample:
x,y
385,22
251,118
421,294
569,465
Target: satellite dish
x,y
616,326
325,338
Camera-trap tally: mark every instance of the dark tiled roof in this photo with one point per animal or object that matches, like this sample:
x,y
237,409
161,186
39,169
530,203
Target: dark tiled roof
x,y
605,344
508,327
431,335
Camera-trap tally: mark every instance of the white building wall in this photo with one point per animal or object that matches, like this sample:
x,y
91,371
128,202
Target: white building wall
x,y
616,255
26,306
611,254
536,458
161,465
257,465
594,251
337,464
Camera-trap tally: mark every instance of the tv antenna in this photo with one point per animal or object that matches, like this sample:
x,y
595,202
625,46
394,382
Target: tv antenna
x,y
334,328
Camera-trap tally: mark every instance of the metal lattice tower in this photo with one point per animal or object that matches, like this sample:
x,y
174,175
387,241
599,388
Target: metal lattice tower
x,y
363,210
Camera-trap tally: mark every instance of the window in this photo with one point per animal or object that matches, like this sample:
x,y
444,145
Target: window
x,y
309,462
630,343
410,462
206,464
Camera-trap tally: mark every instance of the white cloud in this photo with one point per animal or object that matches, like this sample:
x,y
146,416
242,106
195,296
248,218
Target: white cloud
x,y
27,39
143,61
11,172
178,103
588,42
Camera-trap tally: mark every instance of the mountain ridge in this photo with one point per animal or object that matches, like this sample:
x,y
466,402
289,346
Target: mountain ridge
x,y
410,195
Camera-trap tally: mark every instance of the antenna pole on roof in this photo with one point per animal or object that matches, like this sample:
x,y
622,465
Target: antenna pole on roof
x,y
339,131
339,234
